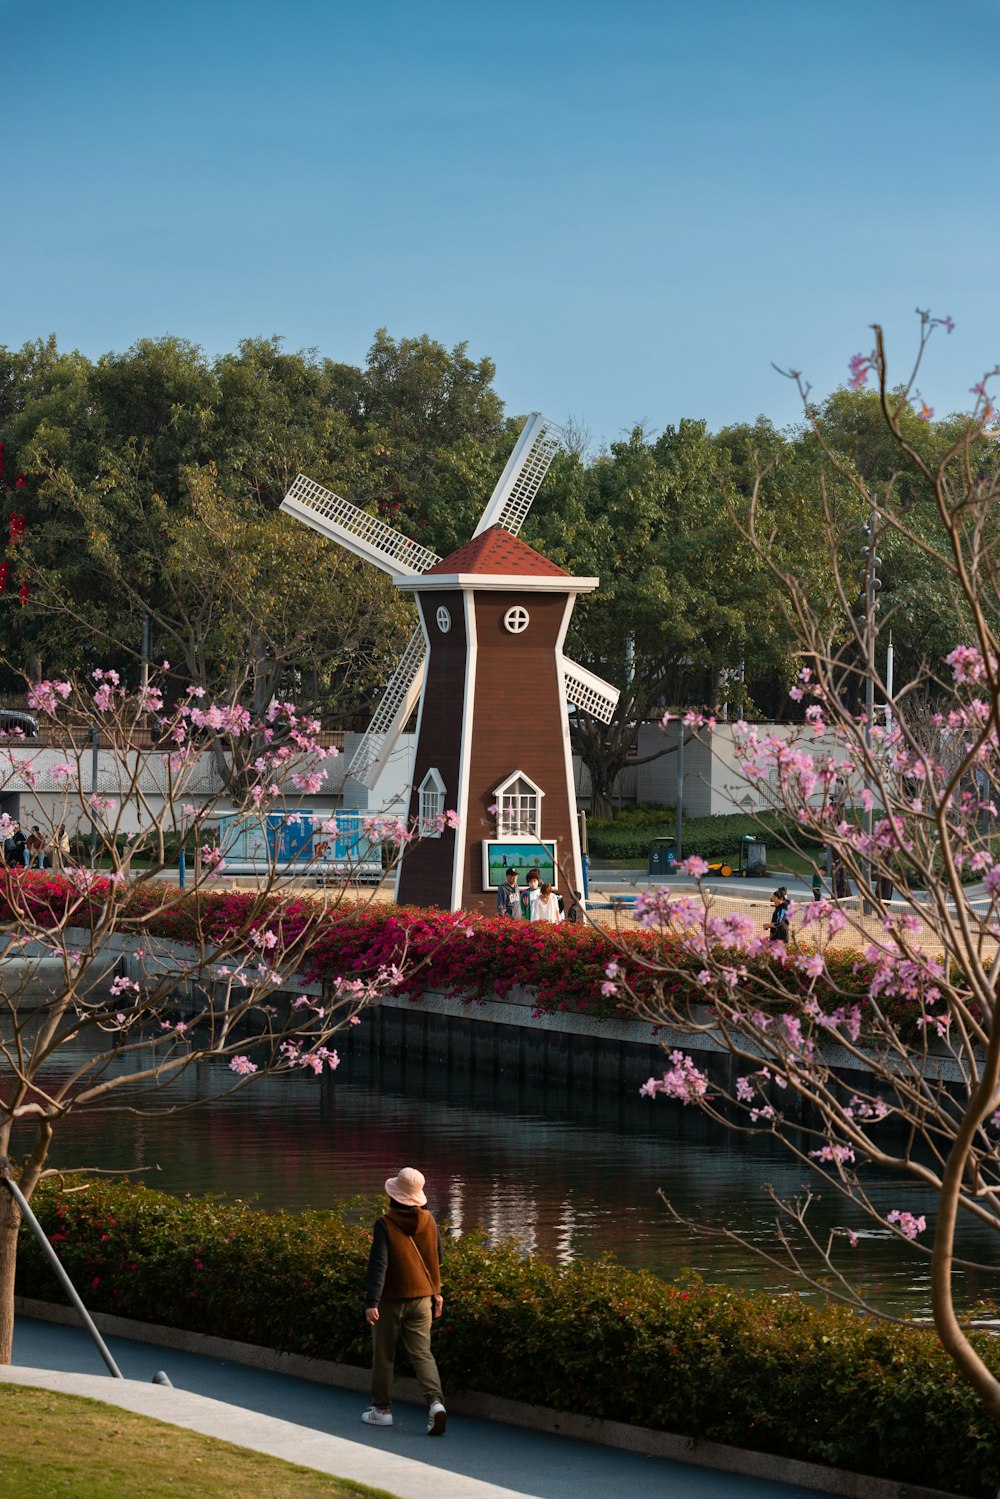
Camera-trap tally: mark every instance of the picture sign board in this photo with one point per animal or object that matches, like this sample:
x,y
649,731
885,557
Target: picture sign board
x,y
500,855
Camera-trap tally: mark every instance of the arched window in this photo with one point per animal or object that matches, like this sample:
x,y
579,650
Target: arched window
x,y
519,807
431,804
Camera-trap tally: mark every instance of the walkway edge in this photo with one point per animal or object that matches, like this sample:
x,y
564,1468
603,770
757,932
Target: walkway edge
x,y
378,1467
682,1449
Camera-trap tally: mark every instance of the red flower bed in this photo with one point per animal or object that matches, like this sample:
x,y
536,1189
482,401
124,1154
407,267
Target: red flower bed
x,y
475,957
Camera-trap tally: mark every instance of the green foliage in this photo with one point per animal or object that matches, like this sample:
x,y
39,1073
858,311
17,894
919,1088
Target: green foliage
x,y
153,481
772,1374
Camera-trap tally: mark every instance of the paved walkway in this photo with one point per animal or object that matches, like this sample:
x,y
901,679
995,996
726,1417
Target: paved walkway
x,y
320,1428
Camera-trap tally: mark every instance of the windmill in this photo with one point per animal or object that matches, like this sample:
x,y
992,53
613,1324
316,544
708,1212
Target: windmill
x,y
464,702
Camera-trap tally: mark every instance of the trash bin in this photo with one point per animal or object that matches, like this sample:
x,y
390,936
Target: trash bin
x,y
663,856
753,855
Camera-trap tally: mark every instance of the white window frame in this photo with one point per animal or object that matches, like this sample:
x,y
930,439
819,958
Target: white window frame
x,y
430,804
517,619
519,808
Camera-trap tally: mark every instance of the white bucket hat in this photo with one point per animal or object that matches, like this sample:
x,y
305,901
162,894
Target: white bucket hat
x,y
407,1187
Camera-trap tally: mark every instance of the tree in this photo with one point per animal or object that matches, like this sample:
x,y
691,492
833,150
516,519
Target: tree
x,y
242,951
907,799
130,461
684,609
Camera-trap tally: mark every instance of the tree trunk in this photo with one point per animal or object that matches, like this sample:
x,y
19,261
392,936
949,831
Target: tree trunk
x,y
10,1220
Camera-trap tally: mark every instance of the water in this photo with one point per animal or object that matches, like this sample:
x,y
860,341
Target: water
x,y
567,1174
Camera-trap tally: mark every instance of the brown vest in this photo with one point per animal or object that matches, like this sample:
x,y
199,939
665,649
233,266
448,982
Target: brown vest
x,y
413,1268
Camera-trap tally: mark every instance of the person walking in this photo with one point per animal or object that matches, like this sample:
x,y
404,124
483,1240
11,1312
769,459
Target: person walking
x,y
403,1297
509,896
779,915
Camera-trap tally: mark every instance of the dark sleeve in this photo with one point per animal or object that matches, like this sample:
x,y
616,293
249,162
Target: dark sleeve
x,y
378,1263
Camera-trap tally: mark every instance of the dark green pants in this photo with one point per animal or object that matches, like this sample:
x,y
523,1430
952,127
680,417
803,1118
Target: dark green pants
x,y
409,1321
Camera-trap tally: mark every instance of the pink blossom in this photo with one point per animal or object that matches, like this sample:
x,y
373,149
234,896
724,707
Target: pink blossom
x,y
838,1155
682,1081
908,1225
243,1066
311,784
696,867
966,664
43,696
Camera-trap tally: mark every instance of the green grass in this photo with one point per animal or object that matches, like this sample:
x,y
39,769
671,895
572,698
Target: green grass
x,y
79,1449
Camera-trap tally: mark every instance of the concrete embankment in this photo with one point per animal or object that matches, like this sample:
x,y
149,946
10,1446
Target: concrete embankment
x,y
498,1034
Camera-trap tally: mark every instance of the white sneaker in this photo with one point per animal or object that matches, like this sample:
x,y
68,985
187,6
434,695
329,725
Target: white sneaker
x,y
437,1419
375,1417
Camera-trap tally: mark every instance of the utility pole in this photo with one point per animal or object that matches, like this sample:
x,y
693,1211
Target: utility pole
x,y
869,602
679,837
147,648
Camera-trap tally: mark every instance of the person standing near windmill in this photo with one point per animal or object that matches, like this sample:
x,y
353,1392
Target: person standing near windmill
x,y
509,896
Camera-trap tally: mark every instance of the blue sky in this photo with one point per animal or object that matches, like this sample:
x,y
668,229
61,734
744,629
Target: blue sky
x,y
633,208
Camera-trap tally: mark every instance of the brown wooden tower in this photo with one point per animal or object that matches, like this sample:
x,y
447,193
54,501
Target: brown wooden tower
x,y
494,691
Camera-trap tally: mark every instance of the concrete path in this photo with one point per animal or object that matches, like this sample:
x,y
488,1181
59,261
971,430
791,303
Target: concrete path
x,y
320,1427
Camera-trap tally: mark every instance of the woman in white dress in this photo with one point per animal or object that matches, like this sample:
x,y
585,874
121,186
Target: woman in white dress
x,y
548,905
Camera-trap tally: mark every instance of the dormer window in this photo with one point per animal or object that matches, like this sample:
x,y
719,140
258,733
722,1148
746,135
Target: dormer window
x,y
519,807
431,804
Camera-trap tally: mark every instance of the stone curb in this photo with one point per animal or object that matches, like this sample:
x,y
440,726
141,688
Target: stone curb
x,y
619,1434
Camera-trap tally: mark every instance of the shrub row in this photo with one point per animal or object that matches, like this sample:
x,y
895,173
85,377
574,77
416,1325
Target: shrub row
x,y
630,834
772,1374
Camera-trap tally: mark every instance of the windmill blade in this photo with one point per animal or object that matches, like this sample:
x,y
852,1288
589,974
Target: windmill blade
x,y
588,692
355,529
522,478
398,702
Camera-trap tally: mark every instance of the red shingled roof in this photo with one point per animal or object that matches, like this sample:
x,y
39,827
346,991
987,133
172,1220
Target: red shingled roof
x,y
496,551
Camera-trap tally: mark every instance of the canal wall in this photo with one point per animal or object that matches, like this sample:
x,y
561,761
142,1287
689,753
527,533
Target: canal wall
x,y
502,1035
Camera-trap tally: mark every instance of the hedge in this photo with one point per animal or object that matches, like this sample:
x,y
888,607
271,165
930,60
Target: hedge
x,y
629,835
777,1375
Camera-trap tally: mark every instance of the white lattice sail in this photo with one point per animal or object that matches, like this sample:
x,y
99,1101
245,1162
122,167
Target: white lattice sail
x,y
590,693
398,702
521,480
363,534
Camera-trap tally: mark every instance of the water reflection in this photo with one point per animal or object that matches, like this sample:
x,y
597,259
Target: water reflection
x,y
566,1173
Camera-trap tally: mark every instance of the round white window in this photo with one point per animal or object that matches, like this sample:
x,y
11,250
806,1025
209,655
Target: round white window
x,y
516,619
443,620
